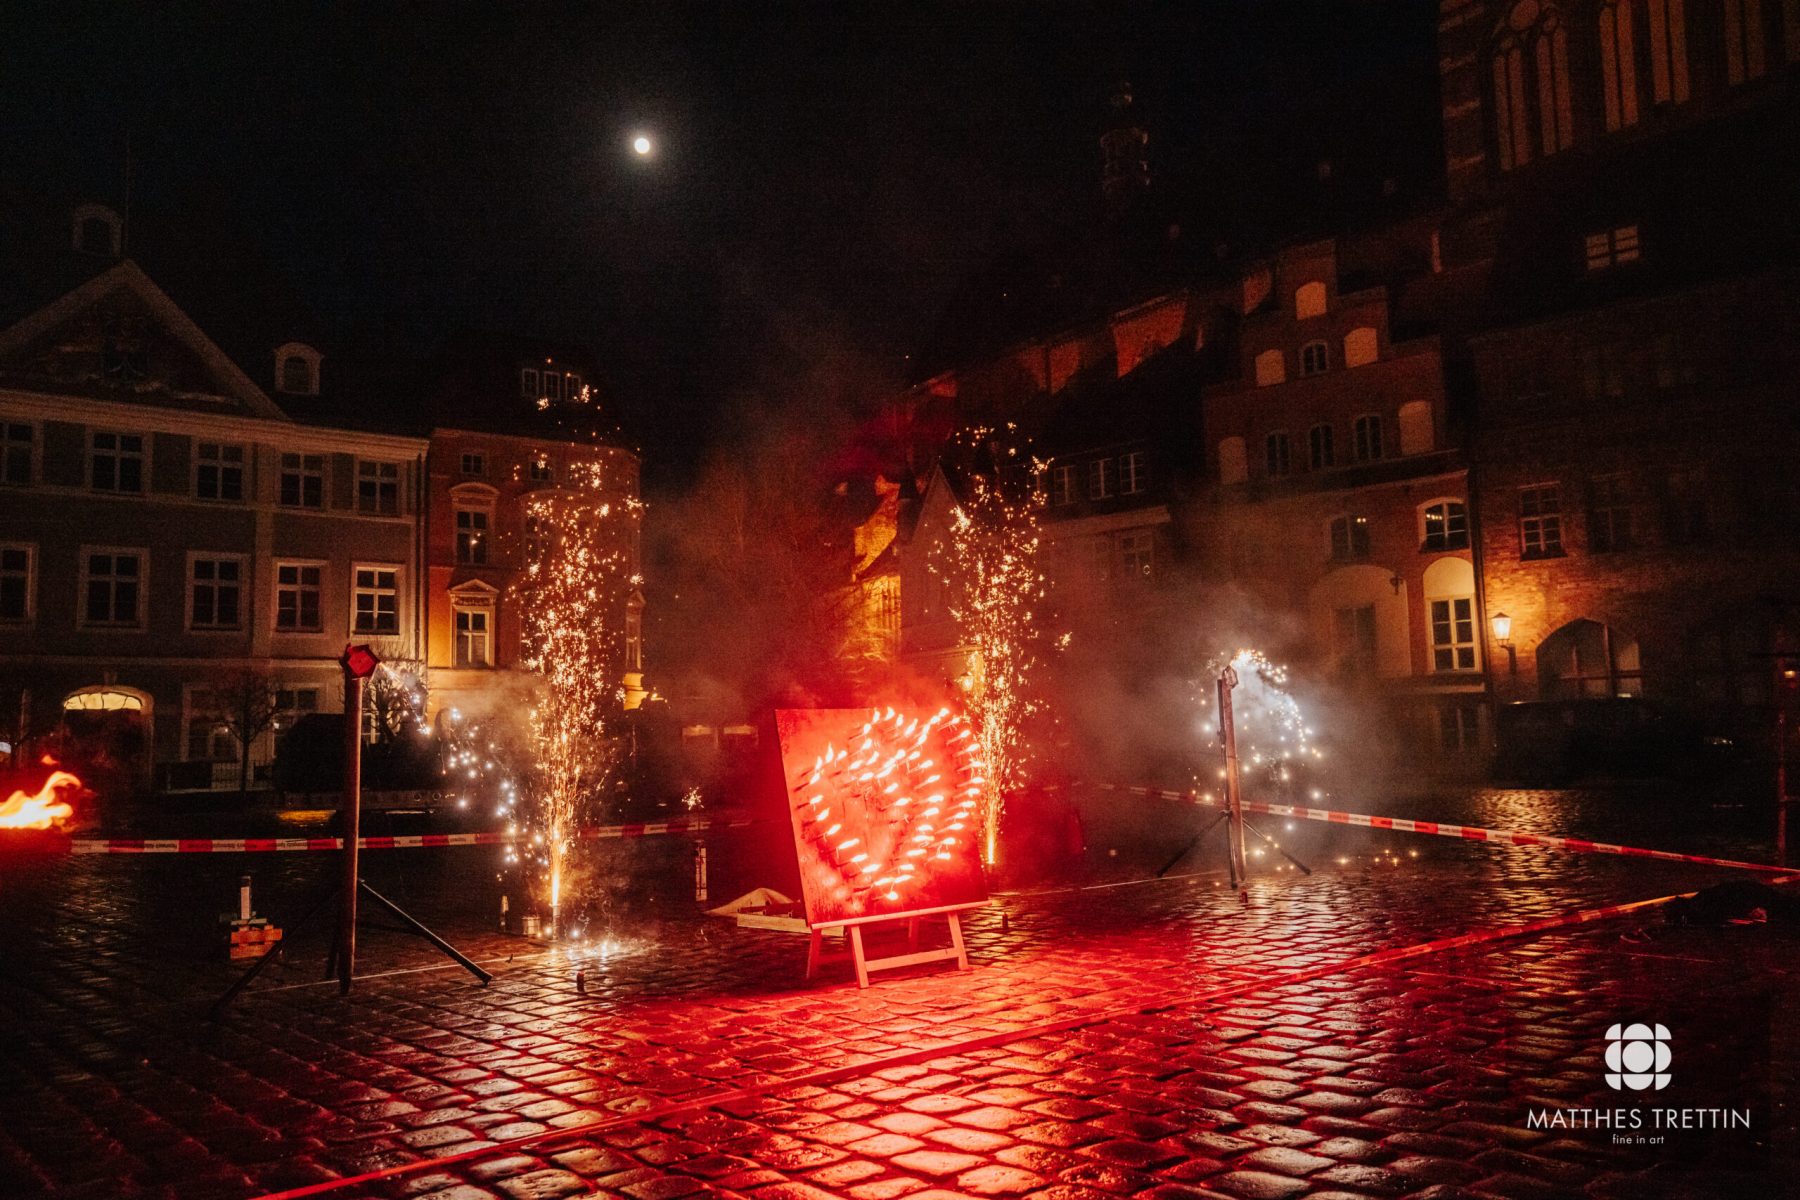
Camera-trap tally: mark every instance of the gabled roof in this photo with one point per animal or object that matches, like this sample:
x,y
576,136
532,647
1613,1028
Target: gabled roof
x,y
127,276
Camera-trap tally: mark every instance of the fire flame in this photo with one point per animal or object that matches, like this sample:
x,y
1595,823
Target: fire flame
x,y
43,810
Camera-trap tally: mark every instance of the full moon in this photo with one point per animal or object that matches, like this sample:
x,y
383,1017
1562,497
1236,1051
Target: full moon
x,y
641,144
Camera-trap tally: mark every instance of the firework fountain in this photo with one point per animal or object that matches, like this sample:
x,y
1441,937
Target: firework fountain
x,y
574,588
990,565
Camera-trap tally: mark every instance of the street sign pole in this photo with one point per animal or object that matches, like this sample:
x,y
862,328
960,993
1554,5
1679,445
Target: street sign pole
x,y
351,827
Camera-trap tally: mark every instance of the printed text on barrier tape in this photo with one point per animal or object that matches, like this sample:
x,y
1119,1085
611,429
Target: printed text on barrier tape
x,y
1468,833
395,842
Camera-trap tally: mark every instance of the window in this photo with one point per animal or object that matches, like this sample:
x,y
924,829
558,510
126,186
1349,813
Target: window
x,y
540,469
474,642
1684,504
1417,433
1603,370
297,592
1540,521
1668,50
1101,548
112,588
18,585
1618,64
1137,554
292,703
215,593
1459,727
1744,59
297,369
1612,247
550,385
97,231
1315,357
375,600
1533,33
1133,477
208,735
1368,438
472,536
218,471
15,452
474,464
1100,478
1062,485
528,383
1446,526
1361,346
1275,455
1320,448
378,488
1309,300
572,385
1271,368
303,480
1453,634
116,462
1349,538
1354,633
1609,514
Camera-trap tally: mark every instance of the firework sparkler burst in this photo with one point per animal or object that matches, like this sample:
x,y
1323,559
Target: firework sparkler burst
x,y
574,591
990,565
1274,739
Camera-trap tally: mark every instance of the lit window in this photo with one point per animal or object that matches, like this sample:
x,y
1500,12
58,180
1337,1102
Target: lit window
x,y
112,588
1349,538
1368,438
1533,31
378,488
472,536
18,583
1100,478
215,593
1453,634
116,462
1668,50
474,464
1134,476
474,642
218,471
1319,447
1744,58
1275,457
1612,247
1062,485
297,592
1271,368
1309,300
1315,358
1540,521
1361,347
209,736
303,480
1609,514
375,600
1446,526
16,441
1618,64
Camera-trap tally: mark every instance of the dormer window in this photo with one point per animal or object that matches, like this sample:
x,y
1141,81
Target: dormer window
x,y
297,370
97,230
549,383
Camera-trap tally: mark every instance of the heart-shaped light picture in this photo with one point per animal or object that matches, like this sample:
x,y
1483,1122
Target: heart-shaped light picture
x,y
884,805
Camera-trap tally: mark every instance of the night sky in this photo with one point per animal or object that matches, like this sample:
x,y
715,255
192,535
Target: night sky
x,y
824,176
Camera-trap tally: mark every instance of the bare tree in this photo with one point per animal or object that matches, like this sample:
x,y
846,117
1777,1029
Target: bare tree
x,y
243,702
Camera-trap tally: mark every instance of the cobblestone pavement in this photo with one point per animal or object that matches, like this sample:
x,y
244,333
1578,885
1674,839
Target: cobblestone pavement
x,y
1114,1040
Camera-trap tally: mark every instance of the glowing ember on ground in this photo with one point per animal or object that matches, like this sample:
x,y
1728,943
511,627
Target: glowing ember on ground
x,y
45,808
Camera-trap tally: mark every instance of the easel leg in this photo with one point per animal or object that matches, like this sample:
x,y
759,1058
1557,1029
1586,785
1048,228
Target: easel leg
x,y
461,958
243,981
1188,849
956,940
856,956
1276,846
815,950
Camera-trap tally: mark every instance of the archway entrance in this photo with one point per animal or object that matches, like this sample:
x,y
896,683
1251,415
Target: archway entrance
x,y
1585,660
106,736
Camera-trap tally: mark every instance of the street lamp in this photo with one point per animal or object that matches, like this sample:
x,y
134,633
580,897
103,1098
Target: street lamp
x,y
1502,626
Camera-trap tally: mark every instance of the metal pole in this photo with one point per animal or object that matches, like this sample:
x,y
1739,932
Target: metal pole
x,y
1234,831
1782,683
351,828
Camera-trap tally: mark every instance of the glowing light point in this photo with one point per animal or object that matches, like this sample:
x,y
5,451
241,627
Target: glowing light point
x,y
641,146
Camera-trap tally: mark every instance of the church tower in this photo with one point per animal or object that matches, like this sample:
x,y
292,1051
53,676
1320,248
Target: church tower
x,y
1125,169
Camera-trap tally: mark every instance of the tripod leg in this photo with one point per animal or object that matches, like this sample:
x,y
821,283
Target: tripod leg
x,y
1189,848
1276,846
425,933
255,969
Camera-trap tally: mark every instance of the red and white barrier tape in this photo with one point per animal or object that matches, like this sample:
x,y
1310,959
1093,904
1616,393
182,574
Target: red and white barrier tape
x,y
1468,833
396,842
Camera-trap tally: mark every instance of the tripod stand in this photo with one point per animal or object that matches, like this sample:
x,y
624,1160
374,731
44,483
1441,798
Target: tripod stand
x,y
359,662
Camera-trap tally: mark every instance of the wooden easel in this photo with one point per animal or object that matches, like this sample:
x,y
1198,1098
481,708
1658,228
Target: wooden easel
x,y
853,934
